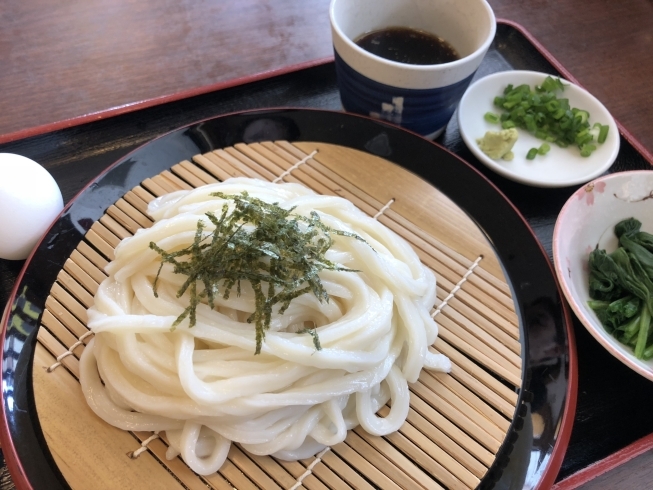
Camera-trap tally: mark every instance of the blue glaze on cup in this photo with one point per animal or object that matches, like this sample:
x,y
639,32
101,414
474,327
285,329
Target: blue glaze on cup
x,y
421,98
423,111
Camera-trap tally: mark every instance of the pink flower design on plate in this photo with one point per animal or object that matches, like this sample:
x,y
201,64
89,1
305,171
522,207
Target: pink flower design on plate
x,y
590,189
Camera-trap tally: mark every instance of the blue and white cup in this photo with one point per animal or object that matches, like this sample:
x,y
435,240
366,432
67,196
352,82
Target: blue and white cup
x,y
421,98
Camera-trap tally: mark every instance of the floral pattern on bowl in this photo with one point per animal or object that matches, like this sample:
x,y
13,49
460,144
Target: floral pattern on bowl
x,y
590,190
586,222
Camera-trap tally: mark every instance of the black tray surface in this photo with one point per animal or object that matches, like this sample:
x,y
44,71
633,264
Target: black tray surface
x,y
612,407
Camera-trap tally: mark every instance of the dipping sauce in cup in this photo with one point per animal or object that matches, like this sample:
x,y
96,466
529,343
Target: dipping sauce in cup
x,y
406,45
418,97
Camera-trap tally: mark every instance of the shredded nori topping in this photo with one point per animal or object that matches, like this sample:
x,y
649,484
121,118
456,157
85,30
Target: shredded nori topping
x,y
281,256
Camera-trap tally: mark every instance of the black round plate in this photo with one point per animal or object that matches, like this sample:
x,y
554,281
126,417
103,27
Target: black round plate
x,y
549,361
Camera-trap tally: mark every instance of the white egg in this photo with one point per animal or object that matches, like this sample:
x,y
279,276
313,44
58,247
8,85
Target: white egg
x,y
30,200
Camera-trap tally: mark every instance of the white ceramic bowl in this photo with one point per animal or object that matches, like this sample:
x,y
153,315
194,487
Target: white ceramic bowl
x,y
586,221
560,167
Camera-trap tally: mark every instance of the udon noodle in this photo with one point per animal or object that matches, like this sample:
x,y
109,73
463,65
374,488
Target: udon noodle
x,y
204,386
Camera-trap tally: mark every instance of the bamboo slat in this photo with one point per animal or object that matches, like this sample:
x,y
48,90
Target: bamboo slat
x,y
297,470
456,423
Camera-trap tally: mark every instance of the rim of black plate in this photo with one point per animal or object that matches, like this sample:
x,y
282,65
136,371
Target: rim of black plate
x,y
28,458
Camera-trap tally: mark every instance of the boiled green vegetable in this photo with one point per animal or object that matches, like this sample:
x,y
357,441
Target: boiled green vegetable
x,y
621,287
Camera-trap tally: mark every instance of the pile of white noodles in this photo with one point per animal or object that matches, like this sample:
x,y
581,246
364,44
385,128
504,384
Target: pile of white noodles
x,y
205,387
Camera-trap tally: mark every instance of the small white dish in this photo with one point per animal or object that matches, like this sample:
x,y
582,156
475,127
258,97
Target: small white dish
x,y
586,221
560,167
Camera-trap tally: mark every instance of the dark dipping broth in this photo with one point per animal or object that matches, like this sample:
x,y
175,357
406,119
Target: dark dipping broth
x,y
407,45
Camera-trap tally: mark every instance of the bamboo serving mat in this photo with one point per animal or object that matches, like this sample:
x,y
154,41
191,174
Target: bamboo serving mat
x,y
457,421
